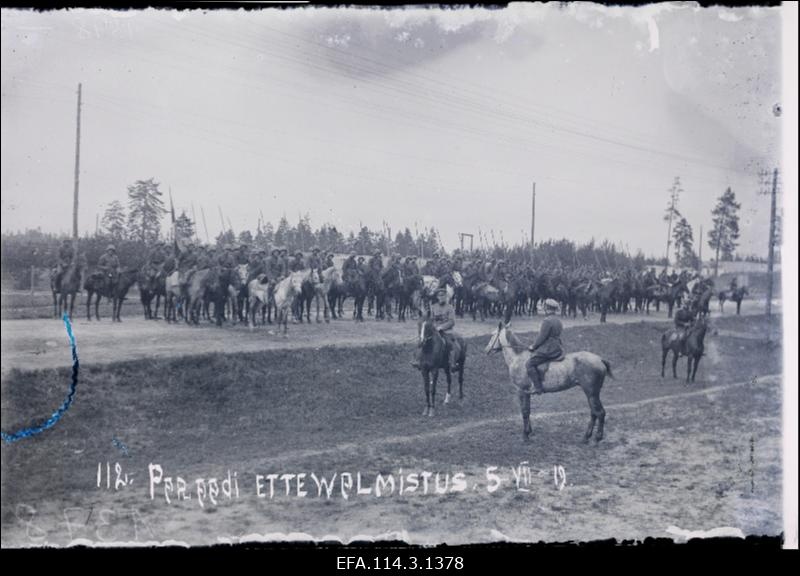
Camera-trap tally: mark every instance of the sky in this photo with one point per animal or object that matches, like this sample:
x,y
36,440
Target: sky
x,y
413,117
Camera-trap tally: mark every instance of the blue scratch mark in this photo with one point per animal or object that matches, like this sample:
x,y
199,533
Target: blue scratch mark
x,y
120,445
55,416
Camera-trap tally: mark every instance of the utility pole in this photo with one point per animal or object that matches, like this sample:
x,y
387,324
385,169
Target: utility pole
x,y
77,178
700,250
771,257
533,217
674,192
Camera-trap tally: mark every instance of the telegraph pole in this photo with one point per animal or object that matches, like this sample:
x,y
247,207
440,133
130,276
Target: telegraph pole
x,y
77,176
771,260
700,250
533,216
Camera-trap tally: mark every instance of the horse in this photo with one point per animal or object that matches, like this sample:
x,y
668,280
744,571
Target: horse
x,y
99,285
220,285
737,295
70,285
151,286
356,286
606,297
583,369
692,347
194,292
308,293
392,283
434,357
174,296
285,293
258,297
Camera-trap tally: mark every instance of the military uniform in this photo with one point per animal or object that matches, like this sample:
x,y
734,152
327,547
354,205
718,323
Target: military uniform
x,y
297,263
546,348
276,269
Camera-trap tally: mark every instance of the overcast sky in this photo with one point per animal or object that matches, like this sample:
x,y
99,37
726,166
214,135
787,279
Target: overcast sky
x,y
439,118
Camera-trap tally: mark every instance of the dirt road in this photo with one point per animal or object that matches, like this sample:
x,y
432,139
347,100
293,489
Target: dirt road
x,y
37,343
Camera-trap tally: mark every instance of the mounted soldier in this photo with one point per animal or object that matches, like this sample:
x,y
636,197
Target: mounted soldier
x,y
256,267
444,319
350,267
314,261
276,268
684,319
108,265
547,346
410,268
66,253
297,263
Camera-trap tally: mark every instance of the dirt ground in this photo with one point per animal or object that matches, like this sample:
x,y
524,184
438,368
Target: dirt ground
x,y
675,457
42,343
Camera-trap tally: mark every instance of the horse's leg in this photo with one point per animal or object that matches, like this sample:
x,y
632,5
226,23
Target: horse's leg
x,y
738,307
696,364
89,306
461,378
427,388
525,409
664,354
599,414
674,363
97,306
449,378
592,419
689,359
434,379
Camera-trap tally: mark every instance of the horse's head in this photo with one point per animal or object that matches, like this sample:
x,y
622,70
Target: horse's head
x,y
296,281
426,330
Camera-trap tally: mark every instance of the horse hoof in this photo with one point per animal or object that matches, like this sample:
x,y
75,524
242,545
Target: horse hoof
x,y
447,398
425,412
431,412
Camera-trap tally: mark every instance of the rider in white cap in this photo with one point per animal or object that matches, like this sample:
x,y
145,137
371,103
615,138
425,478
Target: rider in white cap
x,y
547,346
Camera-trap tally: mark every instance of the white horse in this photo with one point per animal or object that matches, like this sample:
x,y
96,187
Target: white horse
x,y
583,369
257,298
172,290
330,277
286,291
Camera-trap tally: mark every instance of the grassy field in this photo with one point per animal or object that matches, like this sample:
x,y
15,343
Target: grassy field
x,y
694,457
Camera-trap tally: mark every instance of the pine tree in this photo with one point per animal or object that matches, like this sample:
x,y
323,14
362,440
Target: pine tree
x,y
684,243
114,221
145,210
184,226
724,235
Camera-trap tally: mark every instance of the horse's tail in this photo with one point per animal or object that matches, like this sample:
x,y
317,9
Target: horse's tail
x,y
607,364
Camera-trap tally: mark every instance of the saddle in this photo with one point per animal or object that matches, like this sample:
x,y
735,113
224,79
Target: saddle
x,y
542,368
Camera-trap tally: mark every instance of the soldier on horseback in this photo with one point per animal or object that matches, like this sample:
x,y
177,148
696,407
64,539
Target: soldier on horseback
x,y
297,263
547,346
65,254
684,319
350,266
444,319
155,261
108,265
314,261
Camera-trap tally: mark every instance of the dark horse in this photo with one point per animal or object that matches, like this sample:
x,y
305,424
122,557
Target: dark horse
x,y
97,285
737,295
433,357
152,286
70,285
692,347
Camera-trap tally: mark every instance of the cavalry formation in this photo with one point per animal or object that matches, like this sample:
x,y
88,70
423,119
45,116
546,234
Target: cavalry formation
x,y
239,286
